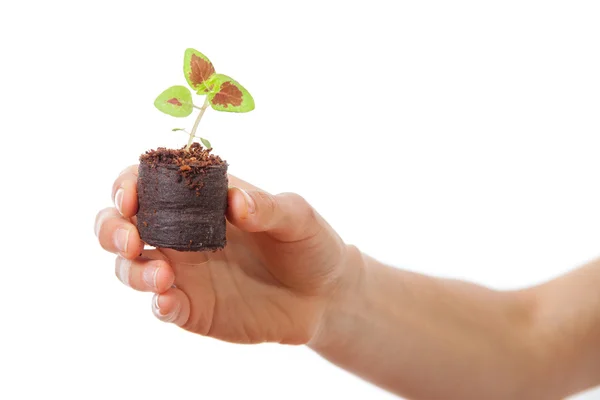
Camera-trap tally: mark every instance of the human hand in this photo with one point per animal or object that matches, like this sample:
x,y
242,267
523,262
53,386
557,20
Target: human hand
x,y
273,282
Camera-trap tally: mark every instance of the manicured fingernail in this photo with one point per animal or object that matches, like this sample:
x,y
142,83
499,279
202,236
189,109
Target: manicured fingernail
x,y
155,306
119,199
123,265
169,317
121,238
250,206
149,276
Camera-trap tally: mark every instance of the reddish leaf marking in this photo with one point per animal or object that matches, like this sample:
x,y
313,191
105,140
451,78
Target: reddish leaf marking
x,y
175,102
228,94
200,70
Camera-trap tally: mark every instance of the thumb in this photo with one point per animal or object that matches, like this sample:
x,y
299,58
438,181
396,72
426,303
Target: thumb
x,y
287,217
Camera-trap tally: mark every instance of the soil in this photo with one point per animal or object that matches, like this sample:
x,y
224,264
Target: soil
x,y
182,199
190,163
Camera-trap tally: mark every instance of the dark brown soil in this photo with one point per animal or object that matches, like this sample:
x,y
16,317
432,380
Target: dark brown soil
x,y
191,163
182,199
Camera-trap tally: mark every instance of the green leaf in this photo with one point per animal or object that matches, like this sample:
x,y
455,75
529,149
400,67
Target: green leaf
x,y
230,96
175,101
206,143
198,71
177,129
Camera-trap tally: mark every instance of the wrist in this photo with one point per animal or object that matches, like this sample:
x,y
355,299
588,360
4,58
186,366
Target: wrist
x,y
337,320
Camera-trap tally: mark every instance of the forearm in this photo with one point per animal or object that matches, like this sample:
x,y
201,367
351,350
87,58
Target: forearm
x,y
568,322
427,338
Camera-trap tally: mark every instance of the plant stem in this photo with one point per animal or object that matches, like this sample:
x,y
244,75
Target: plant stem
x,y
193,132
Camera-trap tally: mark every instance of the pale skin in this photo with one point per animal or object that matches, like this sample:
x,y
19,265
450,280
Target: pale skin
x,y
286,276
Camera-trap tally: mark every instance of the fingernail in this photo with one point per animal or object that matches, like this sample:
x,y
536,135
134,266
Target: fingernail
x,y
250,205
155,306
170,317
119,199
149,276
124,266
121,238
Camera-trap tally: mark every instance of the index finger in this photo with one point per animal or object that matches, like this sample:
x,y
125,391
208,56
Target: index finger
x,y
124,191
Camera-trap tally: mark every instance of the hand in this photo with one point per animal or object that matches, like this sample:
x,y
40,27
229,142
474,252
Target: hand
x,y
273,282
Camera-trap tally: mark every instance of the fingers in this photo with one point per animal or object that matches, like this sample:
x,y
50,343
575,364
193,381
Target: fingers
x,y
172,306
117,235
286,217
144,274
124,192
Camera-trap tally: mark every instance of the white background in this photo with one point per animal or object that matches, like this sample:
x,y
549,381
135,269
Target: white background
x,y
452,138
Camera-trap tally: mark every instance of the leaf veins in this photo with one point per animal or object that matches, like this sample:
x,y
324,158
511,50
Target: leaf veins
x,y
228,94
200,70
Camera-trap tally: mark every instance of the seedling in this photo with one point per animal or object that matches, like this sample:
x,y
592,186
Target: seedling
x,y
182,193
221,92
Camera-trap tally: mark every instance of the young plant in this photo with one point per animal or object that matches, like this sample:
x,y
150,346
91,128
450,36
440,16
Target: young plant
x,y
222,93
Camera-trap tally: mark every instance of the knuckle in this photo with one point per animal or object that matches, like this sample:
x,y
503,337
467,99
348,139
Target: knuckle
x,y
305,218
267,202
305,211
295,198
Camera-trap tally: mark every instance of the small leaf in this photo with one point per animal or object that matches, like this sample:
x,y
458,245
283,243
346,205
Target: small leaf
x,y
230,96
198,71
177,129
175,101
208,86
206,143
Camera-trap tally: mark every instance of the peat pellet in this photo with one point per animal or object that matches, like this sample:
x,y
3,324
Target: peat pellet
x,y
182,197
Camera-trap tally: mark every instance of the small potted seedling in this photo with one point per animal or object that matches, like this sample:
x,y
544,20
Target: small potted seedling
x,y
182,193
